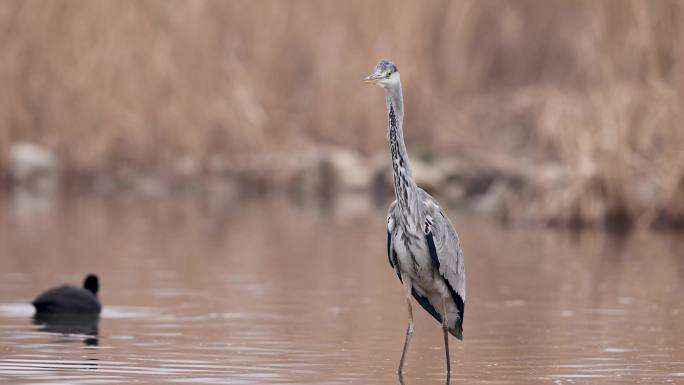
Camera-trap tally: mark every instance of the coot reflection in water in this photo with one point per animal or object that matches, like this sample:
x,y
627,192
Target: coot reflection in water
x,y
70,323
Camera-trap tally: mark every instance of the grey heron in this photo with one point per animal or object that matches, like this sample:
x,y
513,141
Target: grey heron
x,y
422,245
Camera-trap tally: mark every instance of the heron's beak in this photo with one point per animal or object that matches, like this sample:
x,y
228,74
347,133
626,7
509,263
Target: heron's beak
x,y
371,79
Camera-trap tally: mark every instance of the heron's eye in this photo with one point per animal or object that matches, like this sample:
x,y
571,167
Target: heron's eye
x,y
388,74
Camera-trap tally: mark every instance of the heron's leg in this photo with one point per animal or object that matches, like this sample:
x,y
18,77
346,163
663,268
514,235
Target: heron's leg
x,y
409,330
445,327
401,378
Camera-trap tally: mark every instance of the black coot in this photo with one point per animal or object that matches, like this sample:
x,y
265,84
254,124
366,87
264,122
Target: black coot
x,y
70,299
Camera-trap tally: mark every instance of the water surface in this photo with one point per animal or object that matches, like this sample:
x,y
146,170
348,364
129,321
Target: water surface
x,y
269,292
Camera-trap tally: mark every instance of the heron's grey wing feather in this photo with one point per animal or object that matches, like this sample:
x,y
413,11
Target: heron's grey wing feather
x,y
391,229
389,248
447,255
447,246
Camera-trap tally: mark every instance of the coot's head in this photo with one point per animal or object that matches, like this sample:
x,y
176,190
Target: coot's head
x,y
91,283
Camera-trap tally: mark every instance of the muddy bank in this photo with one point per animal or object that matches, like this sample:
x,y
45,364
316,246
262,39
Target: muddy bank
x,y
510,190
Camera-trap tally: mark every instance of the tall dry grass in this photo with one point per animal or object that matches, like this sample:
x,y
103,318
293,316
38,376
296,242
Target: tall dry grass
x,y
594,86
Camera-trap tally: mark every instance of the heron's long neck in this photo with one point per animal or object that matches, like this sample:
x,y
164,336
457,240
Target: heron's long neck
x,y
404,185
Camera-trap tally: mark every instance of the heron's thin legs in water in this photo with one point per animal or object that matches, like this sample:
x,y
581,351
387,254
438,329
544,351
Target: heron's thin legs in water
x,y
409,334
445,328
409,330
401,378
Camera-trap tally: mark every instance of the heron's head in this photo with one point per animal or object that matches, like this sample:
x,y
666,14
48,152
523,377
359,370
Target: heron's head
x,y
385,74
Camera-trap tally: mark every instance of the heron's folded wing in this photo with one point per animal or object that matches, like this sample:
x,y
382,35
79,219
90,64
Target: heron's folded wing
x,y
445,248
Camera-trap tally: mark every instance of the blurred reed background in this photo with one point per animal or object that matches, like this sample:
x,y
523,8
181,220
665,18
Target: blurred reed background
x,y
582,98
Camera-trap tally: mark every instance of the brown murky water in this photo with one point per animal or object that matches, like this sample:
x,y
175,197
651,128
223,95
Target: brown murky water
x,y
268,292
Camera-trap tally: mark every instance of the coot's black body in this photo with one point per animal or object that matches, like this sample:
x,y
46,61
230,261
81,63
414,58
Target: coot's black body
x,y
70,299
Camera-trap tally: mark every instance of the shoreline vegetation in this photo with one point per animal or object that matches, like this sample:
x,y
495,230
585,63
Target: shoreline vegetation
x,y
560,113
508,190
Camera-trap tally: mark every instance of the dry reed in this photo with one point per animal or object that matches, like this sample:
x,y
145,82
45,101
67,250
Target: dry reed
x,y
593,86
